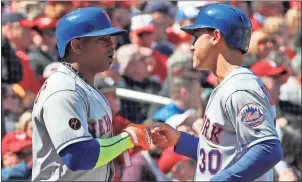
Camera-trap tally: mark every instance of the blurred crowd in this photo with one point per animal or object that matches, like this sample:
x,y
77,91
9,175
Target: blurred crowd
x,y
153,57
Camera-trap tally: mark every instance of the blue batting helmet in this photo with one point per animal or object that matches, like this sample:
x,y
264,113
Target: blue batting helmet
x,y
234,24
83,22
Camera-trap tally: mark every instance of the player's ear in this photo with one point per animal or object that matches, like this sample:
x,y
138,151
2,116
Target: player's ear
x,y
216,36
76,46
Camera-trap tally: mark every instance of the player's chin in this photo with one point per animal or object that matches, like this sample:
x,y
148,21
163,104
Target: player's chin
x,y
197,65
107,62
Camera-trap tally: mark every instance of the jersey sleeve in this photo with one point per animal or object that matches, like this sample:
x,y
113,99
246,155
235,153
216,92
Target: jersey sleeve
x,y
252,117
65,117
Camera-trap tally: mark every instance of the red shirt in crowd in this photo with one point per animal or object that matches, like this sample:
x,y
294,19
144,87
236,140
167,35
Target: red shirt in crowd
x,y
168,159
30,82
160,68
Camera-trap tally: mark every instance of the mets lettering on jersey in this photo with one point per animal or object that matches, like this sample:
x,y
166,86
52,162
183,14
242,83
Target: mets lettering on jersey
x,y
251,115
99,127
213,134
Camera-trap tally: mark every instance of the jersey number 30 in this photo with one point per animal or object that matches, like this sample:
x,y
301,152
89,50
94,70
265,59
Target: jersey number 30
x,y
210,161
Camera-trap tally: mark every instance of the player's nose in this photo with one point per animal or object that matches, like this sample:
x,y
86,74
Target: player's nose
x,y
111,45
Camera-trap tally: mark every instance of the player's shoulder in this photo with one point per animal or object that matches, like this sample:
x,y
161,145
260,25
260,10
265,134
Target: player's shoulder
x,y
241,79
62,79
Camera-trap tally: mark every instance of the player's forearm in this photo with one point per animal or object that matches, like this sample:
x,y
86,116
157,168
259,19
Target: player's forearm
x,y
95,153
112,147
256,162
187,145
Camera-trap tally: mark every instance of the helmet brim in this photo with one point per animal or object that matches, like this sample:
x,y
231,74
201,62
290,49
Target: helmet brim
x,y
112,31
190,29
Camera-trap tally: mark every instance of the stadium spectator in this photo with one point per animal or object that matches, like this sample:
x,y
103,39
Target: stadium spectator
x,y
33,9
293,19
24,123
57,9
291,146
163,14
120,16
277,28
135,77
290,92
12,106
185,94
184,16
183,170
261,12
142,34
16,156
45,51
270,73
180,64
18,30
261,45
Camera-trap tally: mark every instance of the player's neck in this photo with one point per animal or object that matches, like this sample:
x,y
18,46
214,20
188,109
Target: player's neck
x,y
85,72
226,64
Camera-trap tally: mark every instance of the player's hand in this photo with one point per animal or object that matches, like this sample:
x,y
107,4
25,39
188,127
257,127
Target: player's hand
x,y
163,135
140,135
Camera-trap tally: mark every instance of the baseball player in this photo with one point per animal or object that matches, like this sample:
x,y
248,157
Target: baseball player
x,y
238,140
72,132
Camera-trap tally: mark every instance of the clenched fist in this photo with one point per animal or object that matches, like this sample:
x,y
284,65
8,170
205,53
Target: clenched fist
x,y
140,135
163,135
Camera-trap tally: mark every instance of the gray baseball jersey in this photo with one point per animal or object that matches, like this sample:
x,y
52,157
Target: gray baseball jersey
x,y
239,115
67,110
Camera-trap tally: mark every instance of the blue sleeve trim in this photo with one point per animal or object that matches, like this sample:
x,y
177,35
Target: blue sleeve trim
x,y
258,160
81,155
76,138
187,145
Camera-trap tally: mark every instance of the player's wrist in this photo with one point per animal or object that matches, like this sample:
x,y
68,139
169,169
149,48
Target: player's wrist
x,y
177,136
129,143
140,135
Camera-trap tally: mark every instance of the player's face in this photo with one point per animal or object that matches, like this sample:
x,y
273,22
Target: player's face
x,y
202,49
98,53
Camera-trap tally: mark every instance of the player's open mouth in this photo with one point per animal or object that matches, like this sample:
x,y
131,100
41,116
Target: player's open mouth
x,y
111,56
